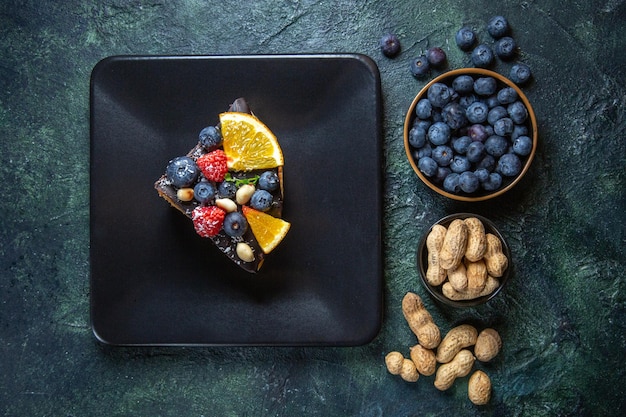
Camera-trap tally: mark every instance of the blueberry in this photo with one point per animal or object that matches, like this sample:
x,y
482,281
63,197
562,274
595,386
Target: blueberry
x,y
459,164
451,183
210,137
496,146
488,163
505,47
477,132
507,95
517,112
463,84
468,99
522,145
390,45
498,26
503,126
482,174
204,191
261,200
493,182
235,224
425,150
496,113
482,56
520,74
269,181
423,109
427,166
424,124
477,112
226,189
461,144
436,57
442,155
439,95
465,38
454,115
417,137
509,165
468,182
442,173
491,101
485,86
519,130
419,66
475,151
439,133
182,171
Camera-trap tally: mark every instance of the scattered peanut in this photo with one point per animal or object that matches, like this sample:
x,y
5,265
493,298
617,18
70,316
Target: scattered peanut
x,y
420,321
244,193
184,194
476,239
476,276
495,259
244,252
454,245
449,292
460,366
456,339
394,361
226,204
435,274
424,360
479,388
409,371
457,277
488,345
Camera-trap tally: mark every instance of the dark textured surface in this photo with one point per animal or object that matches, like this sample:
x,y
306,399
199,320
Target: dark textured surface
x,y
561,317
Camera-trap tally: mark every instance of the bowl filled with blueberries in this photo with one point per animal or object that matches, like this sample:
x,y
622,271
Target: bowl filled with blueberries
x,y
470,134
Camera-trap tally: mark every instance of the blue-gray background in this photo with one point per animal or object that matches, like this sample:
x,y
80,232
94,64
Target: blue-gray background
x,y
561,318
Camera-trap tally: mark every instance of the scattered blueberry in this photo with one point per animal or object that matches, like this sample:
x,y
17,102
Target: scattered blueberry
x,y
436,57
390,45
498,26
520,74
451,183
442,155
461,144
261,200
478,132
442,173
427,166
482,56
454,115
496,146
468,182
463,84
203,191
235,224
420,66
482,174
488,163
503,126
509,165
226,189
439,133
485,86
424,124
182,171
423,109
460,164
467,99
517,112
417,137
519,130
477,112
505,47
269,181
495,114
491,101
475,151
522,145
424,151
465,38
493,182
439,95
210,137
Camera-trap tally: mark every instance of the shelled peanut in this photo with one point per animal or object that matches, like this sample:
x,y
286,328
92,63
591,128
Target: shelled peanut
x,y
464,259
449,358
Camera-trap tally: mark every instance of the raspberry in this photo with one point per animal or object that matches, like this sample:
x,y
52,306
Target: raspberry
x,y
208,220
213,165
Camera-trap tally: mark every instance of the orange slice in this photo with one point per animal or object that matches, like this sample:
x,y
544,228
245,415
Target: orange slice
x,y
248,143
269,231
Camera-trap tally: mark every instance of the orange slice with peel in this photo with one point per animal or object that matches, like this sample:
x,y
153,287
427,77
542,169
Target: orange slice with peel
x,y
268,230
248,143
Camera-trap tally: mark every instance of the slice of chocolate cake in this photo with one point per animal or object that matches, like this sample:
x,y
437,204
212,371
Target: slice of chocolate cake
x,y
224,172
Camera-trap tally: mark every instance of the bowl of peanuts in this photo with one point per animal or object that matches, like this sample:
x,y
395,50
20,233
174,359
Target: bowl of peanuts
x,y
463,260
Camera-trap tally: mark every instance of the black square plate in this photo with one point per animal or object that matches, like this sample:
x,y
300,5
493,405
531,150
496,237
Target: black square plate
x,y
155,282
